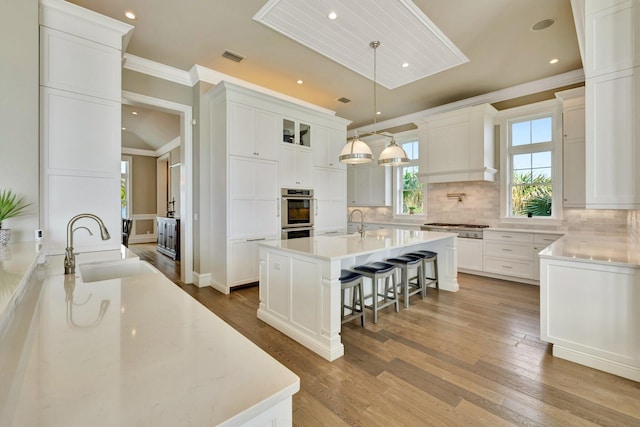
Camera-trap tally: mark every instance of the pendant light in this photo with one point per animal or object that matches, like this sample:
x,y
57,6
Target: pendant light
x,y
356,152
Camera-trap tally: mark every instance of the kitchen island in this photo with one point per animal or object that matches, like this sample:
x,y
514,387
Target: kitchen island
x,y
130,351
299,279
590,301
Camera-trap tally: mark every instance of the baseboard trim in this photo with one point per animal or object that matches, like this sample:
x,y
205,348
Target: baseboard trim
x,y
201,280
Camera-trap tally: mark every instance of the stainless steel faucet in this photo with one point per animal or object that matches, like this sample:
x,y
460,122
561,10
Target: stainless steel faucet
x,y
69,256
361,229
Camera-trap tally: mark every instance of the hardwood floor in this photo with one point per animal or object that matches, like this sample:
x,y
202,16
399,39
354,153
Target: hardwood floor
x,y
468,358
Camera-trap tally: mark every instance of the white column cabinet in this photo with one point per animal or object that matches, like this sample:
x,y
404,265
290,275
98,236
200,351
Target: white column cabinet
x,y
80,99
612,104
327,144
330,188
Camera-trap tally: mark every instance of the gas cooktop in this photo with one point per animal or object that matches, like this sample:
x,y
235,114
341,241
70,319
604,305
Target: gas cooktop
x,y
449,225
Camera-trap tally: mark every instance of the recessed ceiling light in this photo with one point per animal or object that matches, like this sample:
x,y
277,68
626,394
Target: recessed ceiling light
x,y
405,65
299,82
378,113
124,128
130,14
554,61
333,15
135,113
544,24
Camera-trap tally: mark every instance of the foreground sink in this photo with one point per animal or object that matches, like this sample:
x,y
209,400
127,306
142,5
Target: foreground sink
x,y
96,272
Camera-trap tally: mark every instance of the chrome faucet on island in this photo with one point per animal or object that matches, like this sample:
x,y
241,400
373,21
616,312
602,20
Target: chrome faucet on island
x,y
361,229
69,256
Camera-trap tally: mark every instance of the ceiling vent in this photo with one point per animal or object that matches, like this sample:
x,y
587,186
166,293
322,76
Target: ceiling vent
x,y
344,100
232,56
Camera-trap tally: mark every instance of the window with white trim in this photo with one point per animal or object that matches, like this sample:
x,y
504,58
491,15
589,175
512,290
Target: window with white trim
x,y
409,190
532,185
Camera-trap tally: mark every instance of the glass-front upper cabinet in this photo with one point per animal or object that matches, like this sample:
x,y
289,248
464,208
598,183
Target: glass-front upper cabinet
x,y
297,133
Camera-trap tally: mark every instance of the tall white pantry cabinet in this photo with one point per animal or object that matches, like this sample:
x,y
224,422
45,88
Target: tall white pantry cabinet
x,y
80,135
248,129
612,56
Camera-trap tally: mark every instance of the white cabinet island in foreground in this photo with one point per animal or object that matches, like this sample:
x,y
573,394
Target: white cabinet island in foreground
x,y
299,279
590,301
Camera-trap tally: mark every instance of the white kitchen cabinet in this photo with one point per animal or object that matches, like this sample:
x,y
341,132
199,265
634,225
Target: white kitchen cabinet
x,y
459,145
247,177
573,169
330,187
80,131
612,104
296,166
369,184
253,198
327,144
470,254
541,241
253,132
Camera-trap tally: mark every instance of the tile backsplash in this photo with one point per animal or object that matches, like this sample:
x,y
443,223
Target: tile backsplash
x,y
481,205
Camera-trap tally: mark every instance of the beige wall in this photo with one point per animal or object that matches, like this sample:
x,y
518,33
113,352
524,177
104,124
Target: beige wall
x,y
143,185
144,84
19,104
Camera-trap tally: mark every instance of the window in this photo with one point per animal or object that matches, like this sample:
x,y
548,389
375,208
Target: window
x,y
532,183
410,196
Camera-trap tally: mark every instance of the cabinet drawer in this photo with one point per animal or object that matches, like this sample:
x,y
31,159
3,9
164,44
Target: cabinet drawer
x,y
508,236
508,250
545,239
509,267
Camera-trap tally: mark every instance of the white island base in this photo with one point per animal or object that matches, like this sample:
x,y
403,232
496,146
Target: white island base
x,y
300,287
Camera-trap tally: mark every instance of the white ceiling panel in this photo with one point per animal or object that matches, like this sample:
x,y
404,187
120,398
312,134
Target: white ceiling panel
x,y
405,34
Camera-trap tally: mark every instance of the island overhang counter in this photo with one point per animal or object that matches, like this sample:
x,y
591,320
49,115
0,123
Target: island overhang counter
x,y
299,279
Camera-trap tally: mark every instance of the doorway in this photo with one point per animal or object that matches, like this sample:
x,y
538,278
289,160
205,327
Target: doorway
x,y
181,170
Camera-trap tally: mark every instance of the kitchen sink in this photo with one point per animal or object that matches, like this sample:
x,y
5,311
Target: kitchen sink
x,y
96,272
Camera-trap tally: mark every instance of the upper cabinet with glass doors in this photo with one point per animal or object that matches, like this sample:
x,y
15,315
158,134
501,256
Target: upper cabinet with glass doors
x,y
296,133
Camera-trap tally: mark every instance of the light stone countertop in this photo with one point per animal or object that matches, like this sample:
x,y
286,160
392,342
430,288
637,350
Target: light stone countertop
x,y
349,245
137,351
597,248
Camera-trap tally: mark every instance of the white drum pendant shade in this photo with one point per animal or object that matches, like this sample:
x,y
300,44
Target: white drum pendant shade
x,y
393,155
356,152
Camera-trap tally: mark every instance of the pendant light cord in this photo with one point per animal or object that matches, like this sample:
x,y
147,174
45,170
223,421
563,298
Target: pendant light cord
x,y
374,45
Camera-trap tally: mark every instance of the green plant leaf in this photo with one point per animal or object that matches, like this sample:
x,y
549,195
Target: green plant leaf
x,y
10,205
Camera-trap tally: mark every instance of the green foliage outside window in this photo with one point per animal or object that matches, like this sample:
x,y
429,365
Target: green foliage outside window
x,y
412,192
531,195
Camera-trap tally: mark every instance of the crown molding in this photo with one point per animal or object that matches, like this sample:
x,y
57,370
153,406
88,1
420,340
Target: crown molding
x,y
85,23
536,86
156,69
152,153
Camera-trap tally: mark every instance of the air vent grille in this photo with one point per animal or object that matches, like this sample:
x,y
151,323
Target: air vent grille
x,y
232,56
344,100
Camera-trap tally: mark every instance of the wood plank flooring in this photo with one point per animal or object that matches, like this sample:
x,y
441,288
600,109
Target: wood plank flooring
x,y
468,358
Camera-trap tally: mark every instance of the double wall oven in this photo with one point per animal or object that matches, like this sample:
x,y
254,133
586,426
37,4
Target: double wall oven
x,y
297,213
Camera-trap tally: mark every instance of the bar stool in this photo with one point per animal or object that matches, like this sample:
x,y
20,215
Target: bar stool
x,y
352,280
428,258
376,271
405,263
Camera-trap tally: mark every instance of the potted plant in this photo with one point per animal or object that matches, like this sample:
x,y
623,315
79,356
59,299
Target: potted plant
x,y
10,206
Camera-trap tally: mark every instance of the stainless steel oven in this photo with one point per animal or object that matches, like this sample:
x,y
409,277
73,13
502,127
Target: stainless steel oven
x,y
296,232
297,208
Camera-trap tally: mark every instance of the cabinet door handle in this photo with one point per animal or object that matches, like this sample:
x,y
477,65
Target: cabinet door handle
x,y
507,237
315,201
506,266
277,208
255,240
507,250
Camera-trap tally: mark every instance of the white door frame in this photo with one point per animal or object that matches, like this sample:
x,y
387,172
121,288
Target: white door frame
x,y
186,174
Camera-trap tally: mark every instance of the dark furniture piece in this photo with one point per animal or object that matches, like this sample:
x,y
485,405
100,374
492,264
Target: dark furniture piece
x,y
126,230
169,237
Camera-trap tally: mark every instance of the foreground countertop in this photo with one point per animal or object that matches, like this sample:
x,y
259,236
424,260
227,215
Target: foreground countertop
x,y
136,351
337,247
600,248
